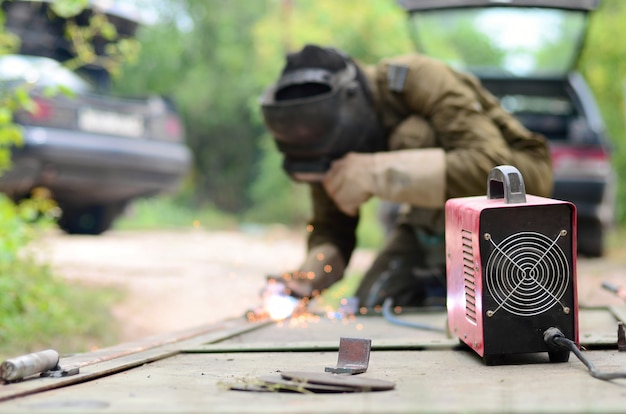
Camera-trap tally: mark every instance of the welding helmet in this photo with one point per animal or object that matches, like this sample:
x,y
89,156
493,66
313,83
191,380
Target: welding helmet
x,y
320,109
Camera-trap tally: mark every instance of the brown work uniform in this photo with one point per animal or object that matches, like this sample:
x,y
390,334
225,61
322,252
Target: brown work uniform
x,y
424,103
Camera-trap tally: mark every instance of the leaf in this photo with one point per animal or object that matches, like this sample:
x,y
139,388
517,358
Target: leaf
x,y
64,90
6,115
69,8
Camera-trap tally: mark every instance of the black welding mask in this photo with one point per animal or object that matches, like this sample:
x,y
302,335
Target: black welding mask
x,y
320,109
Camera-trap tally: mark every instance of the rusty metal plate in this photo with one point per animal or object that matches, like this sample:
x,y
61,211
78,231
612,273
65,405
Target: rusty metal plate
x,y
354,356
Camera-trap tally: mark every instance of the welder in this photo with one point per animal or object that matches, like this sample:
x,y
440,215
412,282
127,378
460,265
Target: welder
x,y
409,130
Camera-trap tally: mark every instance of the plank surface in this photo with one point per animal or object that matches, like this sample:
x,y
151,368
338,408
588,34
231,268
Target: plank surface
x,y
430,371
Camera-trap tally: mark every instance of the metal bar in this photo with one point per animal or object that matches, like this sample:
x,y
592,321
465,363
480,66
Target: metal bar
x,y
23,366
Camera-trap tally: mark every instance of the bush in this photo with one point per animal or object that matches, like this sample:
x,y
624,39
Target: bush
x,y
38,310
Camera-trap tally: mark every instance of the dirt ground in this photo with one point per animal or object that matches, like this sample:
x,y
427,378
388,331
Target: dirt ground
x,y
178,279
181,279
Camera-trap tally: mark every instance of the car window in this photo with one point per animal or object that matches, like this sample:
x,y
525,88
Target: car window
x,y
501,41
40,71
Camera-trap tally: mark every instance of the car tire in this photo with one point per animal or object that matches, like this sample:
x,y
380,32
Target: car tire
x,y
590,238
90,220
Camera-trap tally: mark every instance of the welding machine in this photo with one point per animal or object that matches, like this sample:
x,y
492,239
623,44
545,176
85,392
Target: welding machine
x,y
511,269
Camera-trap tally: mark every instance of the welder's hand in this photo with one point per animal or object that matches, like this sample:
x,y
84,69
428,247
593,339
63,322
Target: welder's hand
x,y
322,266
350,181
290,292
288,284
413,176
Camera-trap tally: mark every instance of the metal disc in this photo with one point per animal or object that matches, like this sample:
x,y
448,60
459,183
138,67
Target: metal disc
x,y
358,383
275,383
309,386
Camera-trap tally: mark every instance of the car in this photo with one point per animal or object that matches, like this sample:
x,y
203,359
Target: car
x,y
525,52
93,151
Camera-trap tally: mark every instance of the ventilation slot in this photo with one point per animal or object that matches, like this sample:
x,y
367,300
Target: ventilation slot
x,y
469,276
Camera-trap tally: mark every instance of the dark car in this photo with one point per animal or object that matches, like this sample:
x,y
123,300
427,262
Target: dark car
x,y
93,151
525,52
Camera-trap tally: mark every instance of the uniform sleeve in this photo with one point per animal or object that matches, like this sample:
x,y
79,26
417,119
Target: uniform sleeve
x,y
330,225
472,142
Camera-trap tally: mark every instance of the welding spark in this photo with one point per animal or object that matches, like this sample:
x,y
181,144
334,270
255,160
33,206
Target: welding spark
x,y
280,307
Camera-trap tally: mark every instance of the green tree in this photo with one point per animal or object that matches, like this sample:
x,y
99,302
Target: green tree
x,y
200,53
604,66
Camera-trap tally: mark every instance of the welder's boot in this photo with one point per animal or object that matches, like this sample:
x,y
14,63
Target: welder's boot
x,y
406,286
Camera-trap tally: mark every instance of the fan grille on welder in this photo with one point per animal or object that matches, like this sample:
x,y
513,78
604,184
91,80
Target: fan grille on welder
x,y
527,273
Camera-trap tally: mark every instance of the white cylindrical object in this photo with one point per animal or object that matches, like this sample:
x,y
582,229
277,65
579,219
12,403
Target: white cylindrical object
x,y
26,365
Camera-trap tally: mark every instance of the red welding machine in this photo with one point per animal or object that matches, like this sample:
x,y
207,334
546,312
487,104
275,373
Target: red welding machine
x,y
511,269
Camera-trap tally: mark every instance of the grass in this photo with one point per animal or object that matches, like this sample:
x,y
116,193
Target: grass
x,y
167,213
41,311
616,243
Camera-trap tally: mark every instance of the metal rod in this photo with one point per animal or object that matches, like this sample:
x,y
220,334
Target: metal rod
x,y
20,367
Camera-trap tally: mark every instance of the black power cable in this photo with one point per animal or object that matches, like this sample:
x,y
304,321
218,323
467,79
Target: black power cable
x,y
555,339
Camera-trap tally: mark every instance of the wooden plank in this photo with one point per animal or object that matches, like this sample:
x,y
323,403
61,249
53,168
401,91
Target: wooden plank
x,y
210,332
597,327
425,381
164,377
326,346
619,312
313,328
121,357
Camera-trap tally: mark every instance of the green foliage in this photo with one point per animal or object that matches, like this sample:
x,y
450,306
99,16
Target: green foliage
x,y
604,66
10,134
118,50
171,213
207,66
69,8
275,196
456,44
368,30
38,310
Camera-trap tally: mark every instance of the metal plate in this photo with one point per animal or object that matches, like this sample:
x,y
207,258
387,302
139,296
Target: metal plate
x,y
275,383
354,356
359,383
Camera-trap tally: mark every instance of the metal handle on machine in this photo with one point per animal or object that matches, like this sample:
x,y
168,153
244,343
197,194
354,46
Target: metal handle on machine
x,y
505,181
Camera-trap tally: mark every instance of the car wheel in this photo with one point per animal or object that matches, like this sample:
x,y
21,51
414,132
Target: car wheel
x,y
590,238
91,220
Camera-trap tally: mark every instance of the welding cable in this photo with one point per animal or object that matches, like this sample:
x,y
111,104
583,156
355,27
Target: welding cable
x,y
554,338
387,314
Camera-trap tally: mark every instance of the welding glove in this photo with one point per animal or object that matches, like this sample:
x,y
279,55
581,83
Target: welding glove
x,y
323,266
413,176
